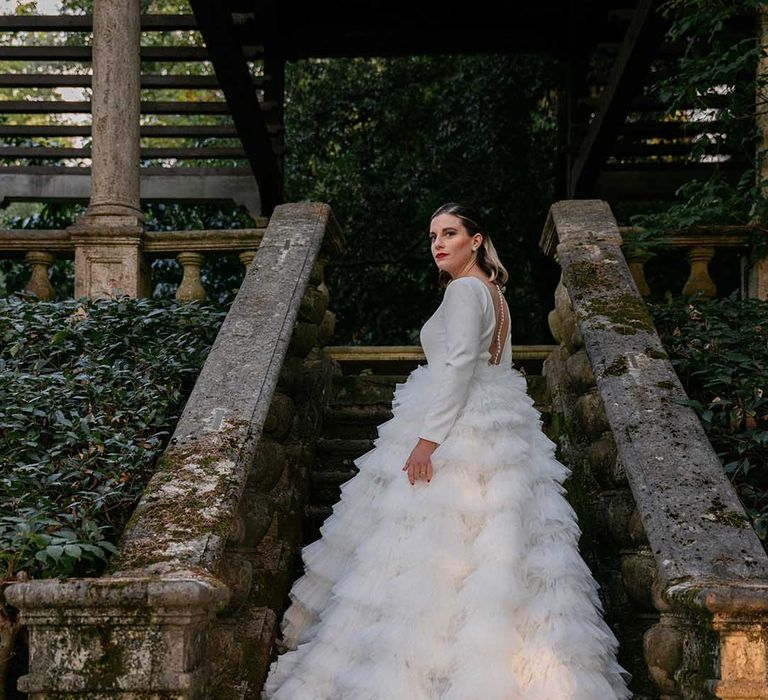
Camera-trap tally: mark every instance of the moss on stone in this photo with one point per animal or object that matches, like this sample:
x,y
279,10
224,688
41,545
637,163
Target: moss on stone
x,y
629,431
665,384
160,521
720,513
626,312
618,367
656,354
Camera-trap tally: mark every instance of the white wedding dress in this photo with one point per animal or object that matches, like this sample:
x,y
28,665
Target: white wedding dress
x,y
467,587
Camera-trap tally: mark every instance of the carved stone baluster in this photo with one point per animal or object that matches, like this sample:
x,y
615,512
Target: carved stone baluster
x,y
699,279
636,263
246,257
39,284
191,287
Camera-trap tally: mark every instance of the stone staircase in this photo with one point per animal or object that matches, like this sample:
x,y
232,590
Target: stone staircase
x,y
360,402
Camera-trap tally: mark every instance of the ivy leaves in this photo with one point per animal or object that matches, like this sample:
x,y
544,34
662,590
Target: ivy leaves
x,y
719,348
91,391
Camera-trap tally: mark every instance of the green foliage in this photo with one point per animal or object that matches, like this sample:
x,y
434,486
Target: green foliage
x,y
386,141
90,392
719,348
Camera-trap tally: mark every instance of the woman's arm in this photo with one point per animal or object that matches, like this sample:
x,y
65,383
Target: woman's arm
x,y
463,312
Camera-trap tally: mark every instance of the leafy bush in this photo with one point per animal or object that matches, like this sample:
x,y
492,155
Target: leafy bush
x,y
719,348
91,391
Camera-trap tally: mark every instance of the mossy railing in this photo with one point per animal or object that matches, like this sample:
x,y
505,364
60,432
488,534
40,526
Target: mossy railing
x,y
188,609
684,575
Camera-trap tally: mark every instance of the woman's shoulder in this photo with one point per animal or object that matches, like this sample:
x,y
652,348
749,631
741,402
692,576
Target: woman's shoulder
x,y
468,287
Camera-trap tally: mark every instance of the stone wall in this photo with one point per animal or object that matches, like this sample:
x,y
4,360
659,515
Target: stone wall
x,y
613,541
188,608
664,529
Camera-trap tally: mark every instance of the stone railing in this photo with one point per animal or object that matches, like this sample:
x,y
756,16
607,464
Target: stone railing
x,y
189,606
683,574
40,248
700,247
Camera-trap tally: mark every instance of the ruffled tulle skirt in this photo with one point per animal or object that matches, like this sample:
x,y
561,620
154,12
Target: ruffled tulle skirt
x,y
467,587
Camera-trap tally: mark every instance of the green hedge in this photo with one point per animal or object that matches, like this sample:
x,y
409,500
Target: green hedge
x,y
719,349
91,391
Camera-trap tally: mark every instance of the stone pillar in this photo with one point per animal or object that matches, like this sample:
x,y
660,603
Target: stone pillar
x,y
755,268
143,637
108,239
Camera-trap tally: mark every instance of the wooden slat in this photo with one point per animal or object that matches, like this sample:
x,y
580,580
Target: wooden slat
x,y
191,171
171,131
165,82
84,23
161,54
648,103
78,107
662,129
53,153
654,150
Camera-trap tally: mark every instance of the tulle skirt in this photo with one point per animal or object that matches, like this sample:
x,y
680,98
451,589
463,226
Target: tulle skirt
x,y
467,587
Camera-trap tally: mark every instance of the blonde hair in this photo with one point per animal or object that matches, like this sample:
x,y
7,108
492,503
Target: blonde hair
x,y
487,258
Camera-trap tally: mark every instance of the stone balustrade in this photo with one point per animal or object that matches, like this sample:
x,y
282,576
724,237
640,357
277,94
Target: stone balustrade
x,y
683,574
700,245
188,609
40,249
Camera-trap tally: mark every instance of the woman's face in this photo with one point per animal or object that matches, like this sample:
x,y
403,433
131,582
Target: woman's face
x,y
451,243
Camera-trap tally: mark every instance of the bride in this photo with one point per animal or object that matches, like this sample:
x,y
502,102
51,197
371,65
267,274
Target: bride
x,y
449,569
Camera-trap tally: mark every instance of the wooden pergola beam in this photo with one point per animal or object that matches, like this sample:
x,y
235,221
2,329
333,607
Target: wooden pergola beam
x,y
217,28
642,39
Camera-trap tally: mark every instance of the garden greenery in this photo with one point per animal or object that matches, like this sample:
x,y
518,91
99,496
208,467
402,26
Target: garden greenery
x,y
91,392
719,348
714,64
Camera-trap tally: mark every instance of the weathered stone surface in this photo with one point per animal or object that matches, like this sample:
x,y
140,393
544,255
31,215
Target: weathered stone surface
x,y
39,284
579,372
601,456
621,505
146,635
663,651
313,304
703,567
555,323
280,416
115,110
326,329
219,516
108,260
590,415
638,572
269,462
304,338
675,476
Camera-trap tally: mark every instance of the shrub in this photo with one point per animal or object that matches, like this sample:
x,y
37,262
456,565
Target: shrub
x,y
91,391
719,348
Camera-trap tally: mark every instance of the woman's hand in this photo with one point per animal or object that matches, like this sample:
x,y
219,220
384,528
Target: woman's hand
x,y
419,464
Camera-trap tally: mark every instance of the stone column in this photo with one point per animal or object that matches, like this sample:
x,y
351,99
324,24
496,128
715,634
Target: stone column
x,y
108,239
756,267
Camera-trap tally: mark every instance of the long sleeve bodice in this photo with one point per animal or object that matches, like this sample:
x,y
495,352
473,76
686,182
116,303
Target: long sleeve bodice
x,y
455,339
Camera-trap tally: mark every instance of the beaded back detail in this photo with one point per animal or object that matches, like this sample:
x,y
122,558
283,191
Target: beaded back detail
x,y
496,358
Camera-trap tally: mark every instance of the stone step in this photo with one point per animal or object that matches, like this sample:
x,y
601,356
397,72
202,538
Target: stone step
x,y
336,454
365,389
354,421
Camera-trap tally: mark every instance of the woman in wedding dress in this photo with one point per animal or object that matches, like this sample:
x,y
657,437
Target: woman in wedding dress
x,y
450,569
